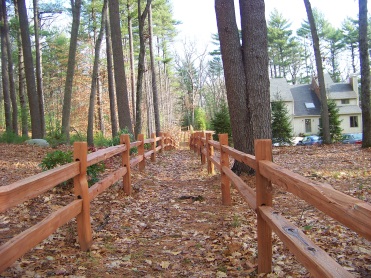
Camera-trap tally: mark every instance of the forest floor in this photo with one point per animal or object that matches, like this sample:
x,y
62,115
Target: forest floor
x,y
174,224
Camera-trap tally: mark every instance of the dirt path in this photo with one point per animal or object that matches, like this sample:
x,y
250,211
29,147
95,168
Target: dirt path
x,y
173,226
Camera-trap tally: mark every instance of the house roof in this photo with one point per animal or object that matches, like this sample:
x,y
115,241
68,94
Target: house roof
x,y
303,98
338,90
349,109
280,88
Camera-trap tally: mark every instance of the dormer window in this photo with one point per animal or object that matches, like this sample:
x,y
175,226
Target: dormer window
x,y
345,101
309,105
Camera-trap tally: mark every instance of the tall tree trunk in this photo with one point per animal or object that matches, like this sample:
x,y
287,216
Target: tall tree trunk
x,y
234,74
365,74
142,52
153,73
321,79
4,69
12,93
29,70
94,79
39,78
131,50
21,78
101,125
66,114
111,82
255,57
119,68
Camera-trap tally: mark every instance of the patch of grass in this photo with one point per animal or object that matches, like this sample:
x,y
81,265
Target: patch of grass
x,y
236,222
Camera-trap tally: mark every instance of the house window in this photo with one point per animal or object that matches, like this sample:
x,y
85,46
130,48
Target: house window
x,y
345,101
308,126
353,121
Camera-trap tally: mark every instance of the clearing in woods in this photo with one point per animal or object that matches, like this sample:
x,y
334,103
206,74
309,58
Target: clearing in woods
x,y
174,224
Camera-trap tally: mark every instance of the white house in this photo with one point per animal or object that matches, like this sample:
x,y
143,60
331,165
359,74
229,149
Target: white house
x,y
304,106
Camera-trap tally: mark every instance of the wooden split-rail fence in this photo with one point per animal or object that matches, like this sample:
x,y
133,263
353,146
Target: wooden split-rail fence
x,y
351,212
26,189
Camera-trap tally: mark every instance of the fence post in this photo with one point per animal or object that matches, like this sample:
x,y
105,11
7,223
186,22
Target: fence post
x,y
203,160
142,164
126,179
224,161
162,142
263,151
153,145
210,152
80,153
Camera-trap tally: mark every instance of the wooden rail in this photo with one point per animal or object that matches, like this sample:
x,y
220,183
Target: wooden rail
x,y
350,211
21,191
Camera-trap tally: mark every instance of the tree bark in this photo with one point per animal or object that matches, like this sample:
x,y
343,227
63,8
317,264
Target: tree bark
x,y
94,79
153,72
29,70
255,57
235,79
39,78
111,85
321,79
4,70
21,78
141,66
132,68
12,92
119,68
66,114
365,74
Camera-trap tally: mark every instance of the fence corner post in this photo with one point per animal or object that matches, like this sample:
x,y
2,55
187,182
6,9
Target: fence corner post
x,y
209,152
224,162
153,145
142,163
125,139
263,151
80,153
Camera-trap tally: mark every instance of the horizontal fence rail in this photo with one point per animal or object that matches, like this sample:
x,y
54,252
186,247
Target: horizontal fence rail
x,y
26,189
350,211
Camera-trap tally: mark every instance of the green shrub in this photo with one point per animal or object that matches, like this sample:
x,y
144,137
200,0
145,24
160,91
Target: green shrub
x,y
58,158
12,138
221,122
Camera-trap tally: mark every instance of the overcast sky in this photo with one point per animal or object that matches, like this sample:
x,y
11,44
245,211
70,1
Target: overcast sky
x,y
198,16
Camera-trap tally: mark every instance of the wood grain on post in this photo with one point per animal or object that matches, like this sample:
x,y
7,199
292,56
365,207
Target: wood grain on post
x,y
225,182
203,159
142,164
263,151
162,142
210,153
125,139
153,145
81,188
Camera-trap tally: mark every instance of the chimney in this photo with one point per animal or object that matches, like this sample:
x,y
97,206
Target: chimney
x,y
353,81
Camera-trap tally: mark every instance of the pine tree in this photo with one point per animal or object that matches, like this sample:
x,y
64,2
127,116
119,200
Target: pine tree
x,y
335,129
281,124
221,122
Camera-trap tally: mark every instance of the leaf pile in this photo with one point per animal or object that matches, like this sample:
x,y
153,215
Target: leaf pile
x,y
175,226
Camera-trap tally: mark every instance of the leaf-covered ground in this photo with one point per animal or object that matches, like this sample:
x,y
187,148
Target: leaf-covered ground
x,y
174,224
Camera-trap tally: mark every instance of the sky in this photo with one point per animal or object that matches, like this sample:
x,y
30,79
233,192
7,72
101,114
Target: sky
x,y
198,16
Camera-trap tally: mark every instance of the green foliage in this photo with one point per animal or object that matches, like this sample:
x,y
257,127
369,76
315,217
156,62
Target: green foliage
x,y
54,135
221,122
58,158
335,129
11,137
281,124
200,119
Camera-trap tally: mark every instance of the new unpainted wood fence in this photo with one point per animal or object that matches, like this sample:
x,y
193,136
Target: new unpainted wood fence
x,y
351,212
26,189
